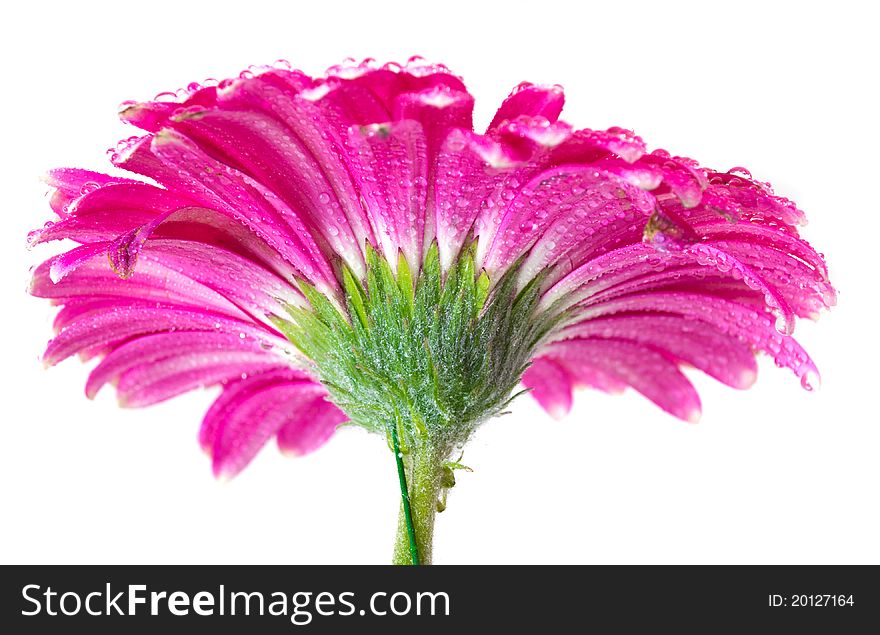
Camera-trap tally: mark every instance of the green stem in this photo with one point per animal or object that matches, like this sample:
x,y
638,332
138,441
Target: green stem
x,y
421,480
406,509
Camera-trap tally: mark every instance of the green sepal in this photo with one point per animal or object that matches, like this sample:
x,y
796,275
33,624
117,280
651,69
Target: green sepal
x,y
430,357
405,284
355,296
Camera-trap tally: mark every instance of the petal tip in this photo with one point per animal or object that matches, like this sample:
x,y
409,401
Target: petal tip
x,y
747,378
693,415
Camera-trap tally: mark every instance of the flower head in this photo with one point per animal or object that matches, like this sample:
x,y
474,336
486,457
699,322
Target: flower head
x,y
347,247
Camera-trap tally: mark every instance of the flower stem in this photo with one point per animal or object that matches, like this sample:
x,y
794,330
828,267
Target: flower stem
x,y
420,488
406,509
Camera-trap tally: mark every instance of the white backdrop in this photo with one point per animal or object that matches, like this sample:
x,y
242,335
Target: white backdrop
x,y
772,475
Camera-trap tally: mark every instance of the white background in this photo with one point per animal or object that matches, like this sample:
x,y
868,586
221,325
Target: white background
x,y
772,475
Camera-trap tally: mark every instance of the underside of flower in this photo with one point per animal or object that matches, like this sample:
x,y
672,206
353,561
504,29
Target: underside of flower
x,y
432,355
349,248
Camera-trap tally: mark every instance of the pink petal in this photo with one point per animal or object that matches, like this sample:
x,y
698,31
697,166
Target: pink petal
x,y
312,173
267,151
717,354
609,213
148,350
682,177
179,164
315,423
109,211
747,323
589,146
71,184
60,266
146,385
152,116
91,332
531,137
236,389
438,109
532,100
736,194
248,421
642,368
550,385
561,193
463,188
390,168
179,271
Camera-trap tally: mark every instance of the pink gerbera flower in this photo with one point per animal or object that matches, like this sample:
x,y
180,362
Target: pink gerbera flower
x,y
347,248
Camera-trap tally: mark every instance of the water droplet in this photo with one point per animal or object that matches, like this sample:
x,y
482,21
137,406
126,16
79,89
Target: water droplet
x,y
741,171
324,198
784,324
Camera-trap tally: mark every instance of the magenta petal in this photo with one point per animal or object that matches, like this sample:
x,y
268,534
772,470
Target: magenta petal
x,y
61,265
532,100
178,271
726,358
265,150
550,385
736,194
682,177
709,255
390,168
163,379
747,323
71,184
308,135
245,421
611,212
390,81
647,371
314,423
236,389
565,196
438,110
589,146
152,116
92,332
463,188
179,164
147,351
111,210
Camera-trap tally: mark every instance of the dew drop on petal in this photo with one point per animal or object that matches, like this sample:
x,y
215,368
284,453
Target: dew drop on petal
x,y
784,324
88,186
740,171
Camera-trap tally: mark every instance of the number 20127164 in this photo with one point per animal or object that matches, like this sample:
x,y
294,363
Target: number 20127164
x,y
816,599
